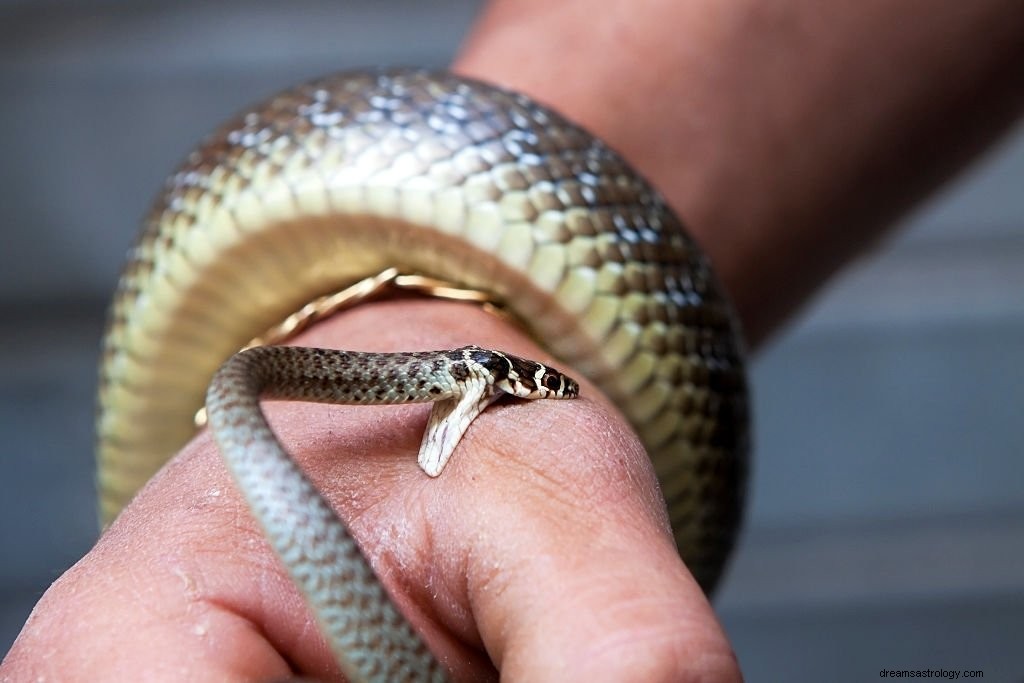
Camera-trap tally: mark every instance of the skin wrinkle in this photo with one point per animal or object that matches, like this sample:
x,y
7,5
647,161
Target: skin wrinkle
x,y
620,648
594,491
179,611
452,575
444,606
533,478
496,579
276,587
241,539
490,582
325,455
454,616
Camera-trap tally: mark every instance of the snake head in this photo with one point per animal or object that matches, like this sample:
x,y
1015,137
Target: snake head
x,y
524,378
551,383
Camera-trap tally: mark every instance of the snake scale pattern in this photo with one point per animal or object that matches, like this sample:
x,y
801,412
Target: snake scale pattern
x,y
370,638
433,174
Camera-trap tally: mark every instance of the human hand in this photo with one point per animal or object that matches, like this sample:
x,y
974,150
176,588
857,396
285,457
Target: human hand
x,y
543,550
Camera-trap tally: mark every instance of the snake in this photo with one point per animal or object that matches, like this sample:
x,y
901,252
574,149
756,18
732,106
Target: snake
x,y
436,175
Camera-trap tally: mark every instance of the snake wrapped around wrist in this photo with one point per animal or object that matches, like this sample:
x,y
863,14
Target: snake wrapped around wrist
x,y
437,175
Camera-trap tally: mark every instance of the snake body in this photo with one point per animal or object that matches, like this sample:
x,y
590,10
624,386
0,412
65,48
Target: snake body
x,y
370,638
343,177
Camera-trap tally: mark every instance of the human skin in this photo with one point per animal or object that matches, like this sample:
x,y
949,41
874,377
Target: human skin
x,y
547,509
787,134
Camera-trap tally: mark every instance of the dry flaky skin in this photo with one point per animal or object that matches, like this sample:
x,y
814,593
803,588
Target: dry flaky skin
x,y
342,177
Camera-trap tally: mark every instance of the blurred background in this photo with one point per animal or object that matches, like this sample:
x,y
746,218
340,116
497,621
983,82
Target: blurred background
x,y
886,525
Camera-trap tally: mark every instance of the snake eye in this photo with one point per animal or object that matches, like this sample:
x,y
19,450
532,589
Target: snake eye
x,y
553,382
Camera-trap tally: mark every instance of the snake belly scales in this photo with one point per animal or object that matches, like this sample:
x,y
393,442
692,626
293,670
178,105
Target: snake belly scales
x,y
430,173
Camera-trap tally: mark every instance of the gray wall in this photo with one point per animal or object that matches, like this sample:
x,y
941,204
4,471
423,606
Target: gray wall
x,y
887,520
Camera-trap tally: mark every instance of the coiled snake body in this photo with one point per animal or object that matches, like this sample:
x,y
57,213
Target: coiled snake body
x,y
347,176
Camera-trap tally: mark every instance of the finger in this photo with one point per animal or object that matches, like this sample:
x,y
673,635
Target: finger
x,y
597,589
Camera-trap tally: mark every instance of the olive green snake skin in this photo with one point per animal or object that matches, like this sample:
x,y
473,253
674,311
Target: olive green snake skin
x,y
344,177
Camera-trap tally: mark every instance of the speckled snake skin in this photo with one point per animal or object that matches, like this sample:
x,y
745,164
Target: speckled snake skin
x,y
368,635
345,176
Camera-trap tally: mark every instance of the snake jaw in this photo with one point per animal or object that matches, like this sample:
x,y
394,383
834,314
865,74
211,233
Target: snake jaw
x,y
449,419
484,375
